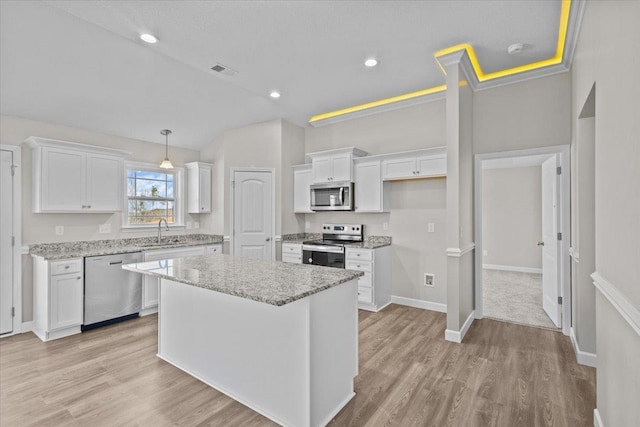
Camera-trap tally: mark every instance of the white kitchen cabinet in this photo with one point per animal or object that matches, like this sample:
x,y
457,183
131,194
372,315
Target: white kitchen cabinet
x,y
70,177
374,288
372,193
150,284
292,252
302,179
58,295
334,165
199,187
425,163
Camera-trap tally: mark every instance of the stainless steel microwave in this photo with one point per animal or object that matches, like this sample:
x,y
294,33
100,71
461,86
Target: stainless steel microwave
x,y
332,196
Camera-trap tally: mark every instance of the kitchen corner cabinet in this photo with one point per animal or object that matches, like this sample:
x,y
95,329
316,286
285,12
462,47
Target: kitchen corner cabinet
x,y
70,177
150,284
372,193
199,187
58,296
334,165
374,288
302,180
428,163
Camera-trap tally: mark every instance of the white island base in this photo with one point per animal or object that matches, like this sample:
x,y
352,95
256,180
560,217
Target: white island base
x,y
294,364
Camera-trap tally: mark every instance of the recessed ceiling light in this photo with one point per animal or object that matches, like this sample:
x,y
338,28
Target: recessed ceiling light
x,y
371,62
274,94
149,38
515,48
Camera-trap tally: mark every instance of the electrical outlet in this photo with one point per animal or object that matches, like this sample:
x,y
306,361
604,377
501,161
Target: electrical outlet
x,y
188,225
485,252
59,230
307,225
429,280
431,227
385,225
104,228
196,224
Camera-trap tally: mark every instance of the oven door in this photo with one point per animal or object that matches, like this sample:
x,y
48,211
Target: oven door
x,y
320,257
335,196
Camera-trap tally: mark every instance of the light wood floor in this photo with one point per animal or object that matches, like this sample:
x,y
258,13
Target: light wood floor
x,y
503,375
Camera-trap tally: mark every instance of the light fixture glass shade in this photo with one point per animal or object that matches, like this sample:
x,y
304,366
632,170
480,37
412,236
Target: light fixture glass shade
x,y
166,164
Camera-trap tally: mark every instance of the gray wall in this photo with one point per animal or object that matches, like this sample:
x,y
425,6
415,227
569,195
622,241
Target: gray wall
x,y
40,228
606,55
512,216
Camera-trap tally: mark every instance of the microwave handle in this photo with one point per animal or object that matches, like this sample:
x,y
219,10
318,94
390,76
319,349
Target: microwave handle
x,y
341,196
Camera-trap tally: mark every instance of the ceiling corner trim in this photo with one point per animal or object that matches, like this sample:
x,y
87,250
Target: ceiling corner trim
x,y
571,12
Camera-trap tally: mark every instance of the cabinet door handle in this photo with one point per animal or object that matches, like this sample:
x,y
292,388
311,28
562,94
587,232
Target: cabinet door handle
x,y
66,267
202,208
79,277
88,206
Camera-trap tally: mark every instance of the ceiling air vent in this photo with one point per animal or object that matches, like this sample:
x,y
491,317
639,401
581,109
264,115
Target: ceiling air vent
x,y
223,69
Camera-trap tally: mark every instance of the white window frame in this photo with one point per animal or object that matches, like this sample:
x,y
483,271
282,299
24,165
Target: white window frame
x,y
178,191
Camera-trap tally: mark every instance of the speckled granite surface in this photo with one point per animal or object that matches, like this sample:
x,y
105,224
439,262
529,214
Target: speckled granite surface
x,y
300,237
372,242
271,282
65,250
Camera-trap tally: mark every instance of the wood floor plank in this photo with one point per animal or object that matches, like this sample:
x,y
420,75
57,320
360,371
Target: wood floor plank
x,y
502,375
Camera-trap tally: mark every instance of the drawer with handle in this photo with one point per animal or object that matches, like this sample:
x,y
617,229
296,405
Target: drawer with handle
x,y
360,254
365,294
66,266
288,248
359,265
294,259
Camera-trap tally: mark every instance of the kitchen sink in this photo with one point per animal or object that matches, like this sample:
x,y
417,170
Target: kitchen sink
x,y
163,243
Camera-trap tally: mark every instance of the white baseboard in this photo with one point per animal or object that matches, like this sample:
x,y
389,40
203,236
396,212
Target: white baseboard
x,y
458,336
418,303
583,357
597,421
148,311
27,326
511,268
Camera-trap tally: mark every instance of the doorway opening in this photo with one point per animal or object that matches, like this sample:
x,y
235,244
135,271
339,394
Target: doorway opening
x,y
522,237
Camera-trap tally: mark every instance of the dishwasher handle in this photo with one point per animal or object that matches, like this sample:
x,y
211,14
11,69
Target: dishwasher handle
x,y
115,262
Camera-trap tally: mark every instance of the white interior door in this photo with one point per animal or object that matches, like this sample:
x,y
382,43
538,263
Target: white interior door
x,y
550,248
6,247
253,214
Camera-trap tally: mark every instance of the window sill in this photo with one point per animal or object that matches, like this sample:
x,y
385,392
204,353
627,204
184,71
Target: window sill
x,y
132,228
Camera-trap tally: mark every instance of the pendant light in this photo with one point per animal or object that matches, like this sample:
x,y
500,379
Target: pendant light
x,y
166,163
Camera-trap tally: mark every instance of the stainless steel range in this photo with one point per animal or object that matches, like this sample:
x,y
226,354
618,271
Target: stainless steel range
x,y
330,251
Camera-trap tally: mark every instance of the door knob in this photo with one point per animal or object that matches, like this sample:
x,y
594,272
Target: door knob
x,y
540,243
268,239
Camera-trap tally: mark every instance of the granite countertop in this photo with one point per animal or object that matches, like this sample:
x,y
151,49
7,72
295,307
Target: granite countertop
x,y
85,248
270,282
370,242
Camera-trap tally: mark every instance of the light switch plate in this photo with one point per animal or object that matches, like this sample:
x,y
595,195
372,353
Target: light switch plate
x,y
196,224
59,230
385,225
104,228
307,225
431,227
188,225
485,252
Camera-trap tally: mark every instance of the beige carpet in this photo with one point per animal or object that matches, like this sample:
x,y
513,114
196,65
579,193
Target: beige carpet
x,y
514,297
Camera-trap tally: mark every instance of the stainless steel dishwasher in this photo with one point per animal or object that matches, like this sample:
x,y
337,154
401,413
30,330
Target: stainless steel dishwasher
x,y
111,294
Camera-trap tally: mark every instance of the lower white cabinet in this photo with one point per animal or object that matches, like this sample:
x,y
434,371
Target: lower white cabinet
x,y
58,295
150,284
292,252
374,288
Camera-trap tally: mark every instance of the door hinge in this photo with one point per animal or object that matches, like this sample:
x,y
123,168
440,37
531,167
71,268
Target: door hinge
x,y
559,236
559,300
13,312
559,170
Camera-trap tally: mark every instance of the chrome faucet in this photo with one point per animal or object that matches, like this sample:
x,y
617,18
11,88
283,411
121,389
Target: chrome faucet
x,y
166,224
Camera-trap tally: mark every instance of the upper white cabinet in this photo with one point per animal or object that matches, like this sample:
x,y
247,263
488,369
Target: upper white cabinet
x,y
334,165
70,177
372,193
199,187
426,163
302,179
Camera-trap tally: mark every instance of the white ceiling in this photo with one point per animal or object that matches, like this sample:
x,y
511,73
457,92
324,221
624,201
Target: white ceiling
x,y
82,64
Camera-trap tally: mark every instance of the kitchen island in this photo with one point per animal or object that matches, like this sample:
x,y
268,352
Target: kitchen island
x,y
279,338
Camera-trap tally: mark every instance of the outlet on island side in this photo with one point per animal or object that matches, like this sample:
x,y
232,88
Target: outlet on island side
x,y
429,280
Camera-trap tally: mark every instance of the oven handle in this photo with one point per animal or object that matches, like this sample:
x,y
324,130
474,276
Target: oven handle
x,y
319,248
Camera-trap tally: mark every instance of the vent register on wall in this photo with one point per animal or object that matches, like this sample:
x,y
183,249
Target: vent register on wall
x,y
350,179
